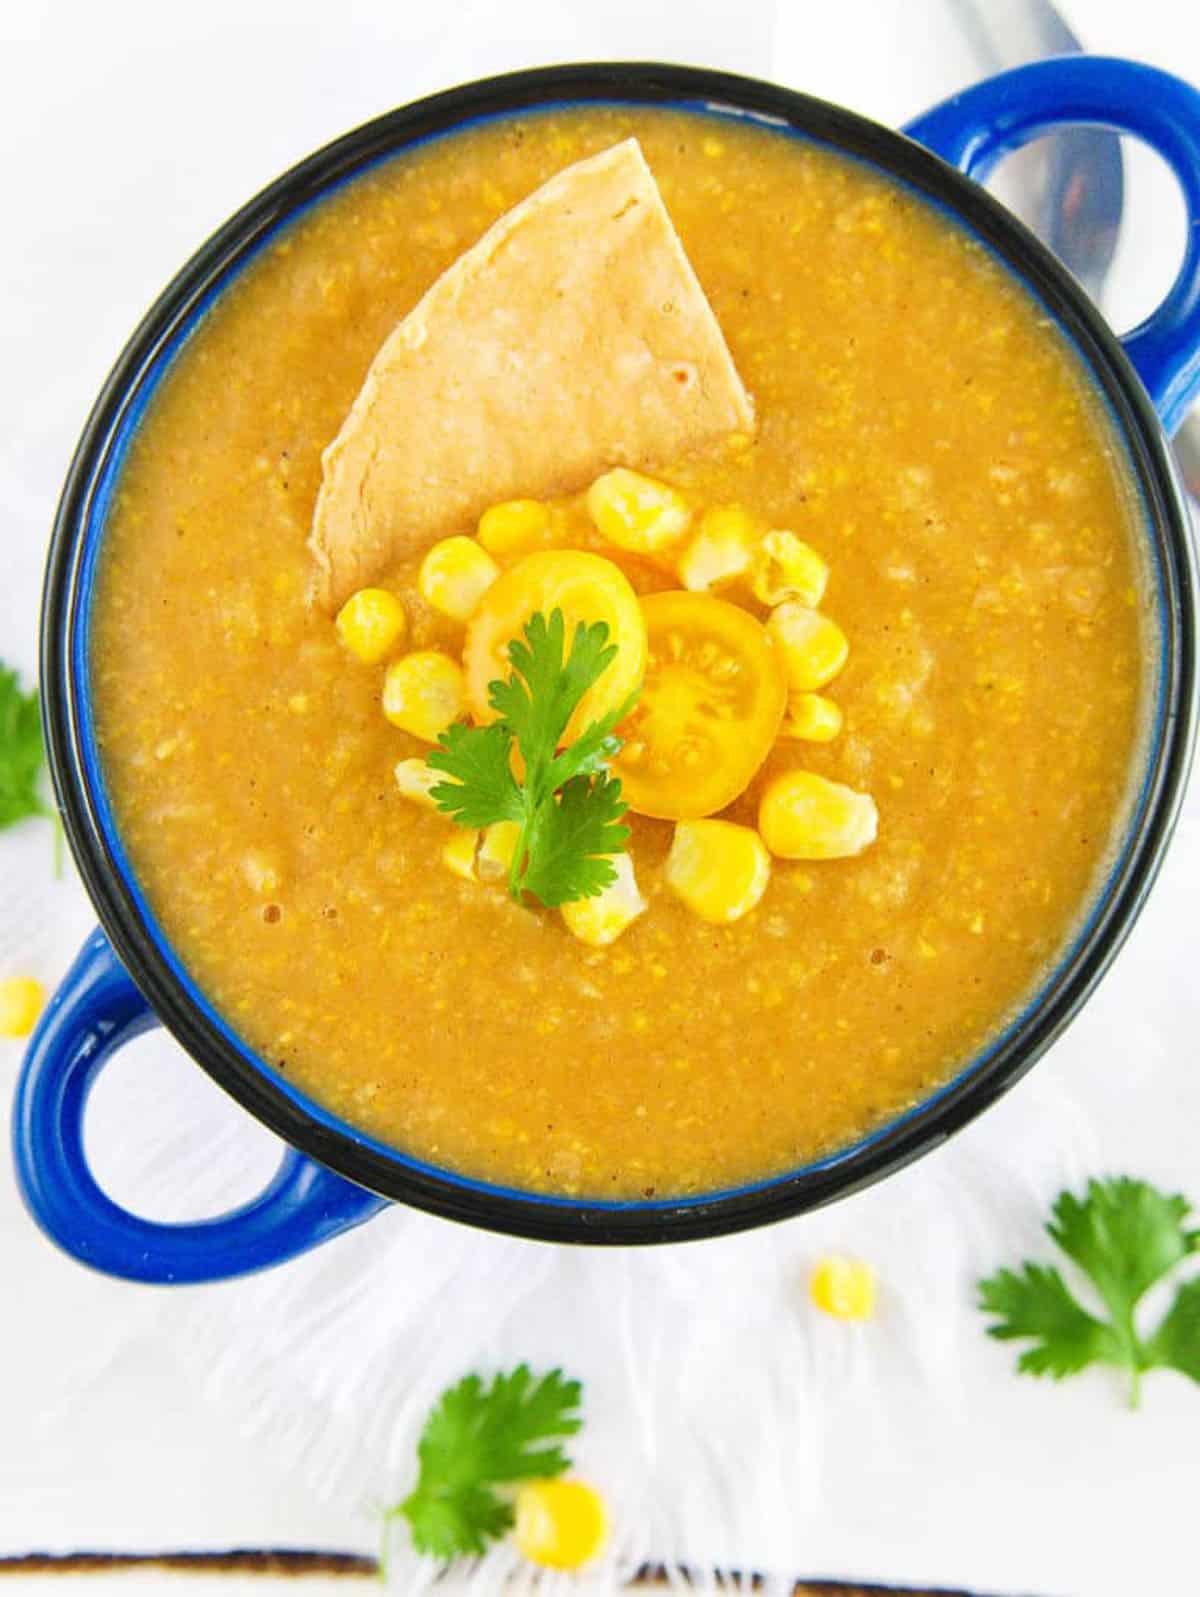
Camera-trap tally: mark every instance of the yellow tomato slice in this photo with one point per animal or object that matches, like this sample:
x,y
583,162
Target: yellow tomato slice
x,y
586,588
710,709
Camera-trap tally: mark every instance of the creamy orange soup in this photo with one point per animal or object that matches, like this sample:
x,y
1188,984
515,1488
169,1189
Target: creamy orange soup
x,y
921,425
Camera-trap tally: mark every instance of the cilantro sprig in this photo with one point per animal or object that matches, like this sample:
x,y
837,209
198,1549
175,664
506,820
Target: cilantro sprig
x,y
480,1436
22,755
566,804
1125,1236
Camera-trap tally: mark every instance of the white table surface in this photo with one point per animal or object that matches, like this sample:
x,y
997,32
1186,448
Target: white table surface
x,y
135,1419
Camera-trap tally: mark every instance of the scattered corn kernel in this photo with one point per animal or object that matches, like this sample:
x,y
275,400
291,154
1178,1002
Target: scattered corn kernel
x,y
718,869
637,513
497,850
423,693
560,1524
601,920
812,717
458,855
721,550
21,1002
515,527
843,1287
813,647
371,623
786,568
804,816
455,575
416,781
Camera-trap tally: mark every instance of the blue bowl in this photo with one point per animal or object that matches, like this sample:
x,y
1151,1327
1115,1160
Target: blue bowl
x,y
128,978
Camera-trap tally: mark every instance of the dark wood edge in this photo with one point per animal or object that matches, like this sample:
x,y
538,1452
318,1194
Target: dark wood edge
x,y
257,1561
293,1565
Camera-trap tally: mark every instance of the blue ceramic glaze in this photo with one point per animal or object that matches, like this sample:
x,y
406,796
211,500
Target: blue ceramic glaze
x,y
96,1010
975,129
99,1007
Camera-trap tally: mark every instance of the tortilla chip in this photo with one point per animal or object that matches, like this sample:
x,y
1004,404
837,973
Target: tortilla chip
x,y
572,337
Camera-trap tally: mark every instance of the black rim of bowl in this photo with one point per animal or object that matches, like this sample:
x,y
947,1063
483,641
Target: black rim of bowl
x,y
892,1146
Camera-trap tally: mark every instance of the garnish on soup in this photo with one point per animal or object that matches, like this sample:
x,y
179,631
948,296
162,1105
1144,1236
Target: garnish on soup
x,y
667,705
1125,1236
585,589
709,712
565,805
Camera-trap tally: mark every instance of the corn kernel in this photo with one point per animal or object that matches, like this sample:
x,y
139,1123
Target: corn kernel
x,y
601,920
458,855
718,869
804,816
812,717
560,1524
416,781
786,568
455,575
497,850
813,647
721,550
21,1002
844,1288
516,527
423,693
371,623
637,513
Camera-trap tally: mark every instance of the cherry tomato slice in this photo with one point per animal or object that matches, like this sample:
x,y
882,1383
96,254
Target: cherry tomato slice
x,y
710,708
585,587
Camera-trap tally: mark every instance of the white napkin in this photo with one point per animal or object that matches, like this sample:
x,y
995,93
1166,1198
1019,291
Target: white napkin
x,y
727,1423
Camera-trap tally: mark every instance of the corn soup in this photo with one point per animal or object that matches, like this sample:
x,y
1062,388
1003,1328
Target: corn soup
x,y
907,608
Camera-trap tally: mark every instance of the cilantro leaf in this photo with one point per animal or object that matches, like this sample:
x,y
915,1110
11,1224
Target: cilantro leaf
x,y
541,695
594,748
484,789
565,803
1036,1303
1125,1236
445,1524
478,1437
571,840
22,754
1176,1343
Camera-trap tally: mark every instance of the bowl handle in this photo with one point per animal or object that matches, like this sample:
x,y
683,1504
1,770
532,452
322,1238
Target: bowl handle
x,y
974,129
94,1012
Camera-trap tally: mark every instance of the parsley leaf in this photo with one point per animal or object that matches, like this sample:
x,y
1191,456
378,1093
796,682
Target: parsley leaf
x,y
480,1436
1125,1236
22,755
567,806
